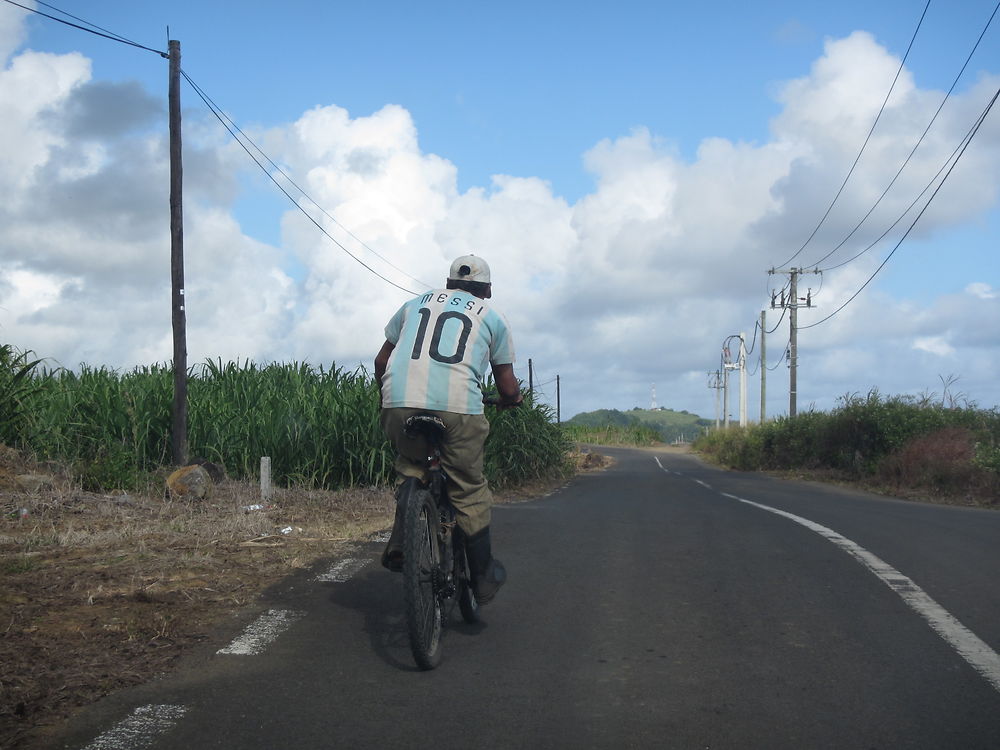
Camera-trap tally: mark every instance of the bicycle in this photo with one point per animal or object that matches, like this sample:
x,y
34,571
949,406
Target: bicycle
x,y
435,569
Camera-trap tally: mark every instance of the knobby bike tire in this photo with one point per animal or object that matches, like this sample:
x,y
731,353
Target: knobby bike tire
x,y
421,561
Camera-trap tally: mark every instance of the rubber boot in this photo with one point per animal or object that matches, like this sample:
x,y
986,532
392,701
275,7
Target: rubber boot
x,y
392,555
488,574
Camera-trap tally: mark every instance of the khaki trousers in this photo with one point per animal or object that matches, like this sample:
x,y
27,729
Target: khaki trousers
x,y
461,457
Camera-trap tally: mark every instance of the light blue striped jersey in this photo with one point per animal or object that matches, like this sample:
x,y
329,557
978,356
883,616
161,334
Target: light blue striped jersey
x,y
444,340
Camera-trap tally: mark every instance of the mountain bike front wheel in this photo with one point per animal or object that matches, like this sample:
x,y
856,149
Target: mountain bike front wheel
x,y
421,575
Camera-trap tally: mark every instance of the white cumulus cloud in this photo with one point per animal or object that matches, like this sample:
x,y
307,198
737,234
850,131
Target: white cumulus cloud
x,y
636,283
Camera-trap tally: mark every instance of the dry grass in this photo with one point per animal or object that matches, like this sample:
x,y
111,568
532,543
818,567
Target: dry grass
x,y
104,591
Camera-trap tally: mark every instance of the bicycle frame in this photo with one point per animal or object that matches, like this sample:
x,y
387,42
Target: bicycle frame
x,y
437,485
451,583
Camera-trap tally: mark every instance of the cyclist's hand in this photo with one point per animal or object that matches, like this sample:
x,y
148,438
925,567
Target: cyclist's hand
x,y
502,404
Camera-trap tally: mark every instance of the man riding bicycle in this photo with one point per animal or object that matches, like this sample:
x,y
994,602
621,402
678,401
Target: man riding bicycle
x,y
434,358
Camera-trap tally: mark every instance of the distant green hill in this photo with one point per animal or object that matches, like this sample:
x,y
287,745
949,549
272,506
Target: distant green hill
x,y
672,425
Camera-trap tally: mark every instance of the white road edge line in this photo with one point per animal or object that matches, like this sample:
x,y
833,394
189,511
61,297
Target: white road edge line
x,y
261,632
342,570
969,646
139,729
665,469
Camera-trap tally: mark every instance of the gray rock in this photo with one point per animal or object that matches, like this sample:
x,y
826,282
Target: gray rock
x,y
191,482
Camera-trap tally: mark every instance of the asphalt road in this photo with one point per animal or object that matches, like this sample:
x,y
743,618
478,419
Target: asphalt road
x,y
662,603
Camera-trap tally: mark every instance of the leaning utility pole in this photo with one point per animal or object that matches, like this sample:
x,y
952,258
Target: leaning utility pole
x,y
178,441
793,303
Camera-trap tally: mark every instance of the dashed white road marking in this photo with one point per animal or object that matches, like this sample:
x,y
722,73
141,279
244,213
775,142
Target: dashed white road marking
x,y
969,646
139,729
261,632
145,724
343,570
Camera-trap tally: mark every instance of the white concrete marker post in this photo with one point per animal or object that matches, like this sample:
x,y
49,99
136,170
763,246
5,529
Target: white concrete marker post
x,y
265,478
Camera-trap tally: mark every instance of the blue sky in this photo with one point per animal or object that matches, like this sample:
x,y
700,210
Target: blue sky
x,y
524,90
590,113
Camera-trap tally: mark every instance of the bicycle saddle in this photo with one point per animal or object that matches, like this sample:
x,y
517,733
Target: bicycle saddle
x,y
427,425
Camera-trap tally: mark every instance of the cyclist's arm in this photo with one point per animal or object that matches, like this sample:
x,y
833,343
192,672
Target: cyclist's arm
x,y
382,360
510,391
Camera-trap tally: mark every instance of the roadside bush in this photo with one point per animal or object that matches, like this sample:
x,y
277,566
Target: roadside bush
x,y
739,447
895,441
941,464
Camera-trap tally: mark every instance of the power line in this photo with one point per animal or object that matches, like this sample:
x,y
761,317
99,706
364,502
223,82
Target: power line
x,y
102,32
960,147
220,113
781,359
107,34
916,146
867,139
968,140
214,110
753,342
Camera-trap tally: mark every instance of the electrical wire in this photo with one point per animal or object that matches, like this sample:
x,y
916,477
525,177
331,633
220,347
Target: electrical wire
x,y
753,341
917,145
107,34
867,139
219,111
784,312
960,147
781,359
968,140
101,33
270,176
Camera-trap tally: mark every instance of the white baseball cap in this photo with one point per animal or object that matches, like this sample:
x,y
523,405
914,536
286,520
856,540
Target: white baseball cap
x,y
470,268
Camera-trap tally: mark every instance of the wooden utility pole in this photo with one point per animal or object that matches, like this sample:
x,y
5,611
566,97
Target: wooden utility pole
x,y
558,402
178,441
531,380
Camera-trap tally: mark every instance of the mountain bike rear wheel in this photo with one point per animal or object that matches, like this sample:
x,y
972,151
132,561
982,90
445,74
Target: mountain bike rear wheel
x,y
421,575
